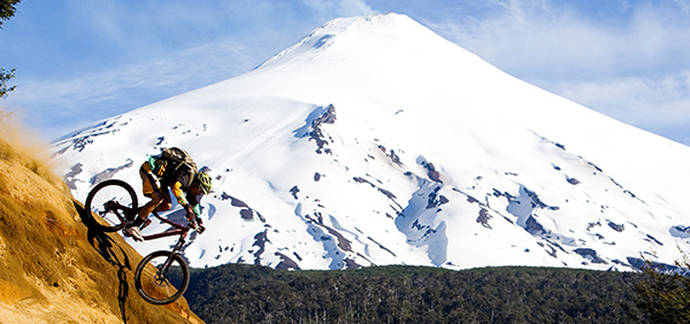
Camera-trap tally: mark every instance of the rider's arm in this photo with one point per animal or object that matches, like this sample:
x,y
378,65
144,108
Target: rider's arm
x,y
194,201
192,207
179,194
182,200
189,202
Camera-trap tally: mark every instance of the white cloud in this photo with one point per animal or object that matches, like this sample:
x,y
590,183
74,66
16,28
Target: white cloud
x,y
354,8
542,40
216,61
633,67
46,103
683,5
342,8
644,102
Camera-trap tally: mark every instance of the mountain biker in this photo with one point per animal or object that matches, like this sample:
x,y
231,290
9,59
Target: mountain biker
x,y
175,170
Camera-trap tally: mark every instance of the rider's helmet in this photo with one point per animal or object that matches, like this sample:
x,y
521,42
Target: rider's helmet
x,y
204,181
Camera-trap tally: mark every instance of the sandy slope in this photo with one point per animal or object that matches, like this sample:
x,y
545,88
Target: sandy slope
x,y
53,269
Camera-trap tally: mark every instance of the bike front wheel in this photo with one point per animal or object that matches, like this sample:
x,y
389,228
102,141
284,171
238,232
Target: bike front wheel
x,y
164,280
108,200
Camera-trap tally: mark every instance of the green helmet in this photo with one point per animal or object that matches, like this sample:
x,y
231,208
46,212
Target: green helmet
x,y
204,181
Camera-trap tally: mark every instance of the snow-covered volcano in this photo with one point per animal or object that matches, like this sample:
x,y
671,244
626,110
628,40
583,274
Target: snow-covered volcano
x,y
375,141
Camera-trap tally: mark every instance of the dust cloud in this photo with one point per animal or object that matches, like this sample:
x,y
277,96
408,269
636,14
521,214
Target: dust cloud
x,y
20,145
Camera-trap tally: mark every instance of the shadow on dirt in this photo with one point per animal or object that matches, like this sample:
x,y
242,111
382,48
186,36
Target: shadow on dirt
x,y
111,252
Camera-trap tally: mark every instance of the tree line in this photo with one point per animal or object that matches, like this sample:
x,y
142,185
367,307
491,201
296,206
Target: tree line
x,y
235,293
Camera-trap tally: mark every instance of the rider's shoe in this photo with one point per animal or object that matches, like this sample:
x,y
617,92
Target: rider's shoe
x,y
200,229
134,233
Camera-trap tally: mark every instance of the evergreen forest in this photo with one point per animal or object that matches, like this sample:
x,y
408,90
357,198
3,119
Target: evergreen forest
x,y
235,293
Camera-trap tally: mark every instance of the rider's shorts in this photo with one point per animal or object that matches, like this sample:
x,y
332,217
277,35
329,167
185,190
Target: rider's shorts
x,y
148,183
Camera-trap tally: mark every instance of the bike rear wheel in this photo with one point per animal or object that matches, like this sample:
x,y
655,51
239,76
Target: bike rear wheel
x,y
107,200
164,280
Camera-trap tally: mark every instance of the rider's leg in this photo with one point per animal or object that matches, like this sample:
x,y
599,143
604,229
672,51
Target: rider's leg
x,y
150,189
166,204
157,200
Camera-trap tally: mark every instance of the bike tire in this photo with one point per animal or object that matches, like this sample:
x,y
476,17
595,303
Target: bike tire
x,y
161,291
109,222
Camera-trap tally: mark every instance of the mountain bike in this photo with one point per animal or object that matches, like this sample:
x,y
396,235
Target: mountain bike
x,y
167,277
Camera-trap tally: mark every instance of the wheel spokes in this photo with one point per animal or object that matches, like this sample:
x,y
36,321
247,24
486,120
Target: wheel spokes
x,y
159,282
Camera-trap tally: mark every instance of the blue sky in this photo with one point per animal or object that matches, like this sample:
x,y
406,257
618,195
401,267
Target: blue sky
x,y
79,61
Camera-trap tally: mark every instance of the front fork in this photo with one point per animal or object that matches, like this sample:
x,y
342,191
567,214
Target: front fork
x,y
179,246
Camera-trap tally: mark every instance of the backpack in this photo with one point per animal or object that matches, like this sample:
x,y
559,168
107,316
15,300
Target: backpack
x,y
175,159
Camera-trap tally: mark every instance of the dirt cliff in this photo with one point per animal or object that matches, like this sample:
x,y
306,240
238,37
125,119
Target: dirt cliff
x,y
53,267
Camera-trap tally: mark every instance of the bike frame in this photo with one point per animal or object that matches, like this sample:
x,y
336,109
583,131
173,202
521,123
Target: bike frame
x,y
177,229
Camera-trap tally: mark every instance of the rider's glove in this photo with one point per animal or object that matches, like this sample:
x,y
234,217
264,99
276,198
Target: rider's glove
x,y
193,217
